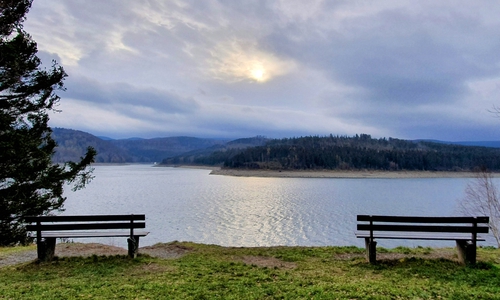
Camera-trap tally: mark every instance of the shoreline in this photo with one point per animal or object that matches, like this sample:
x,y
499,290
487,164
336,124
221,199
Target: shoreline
x,y
344,174
354,174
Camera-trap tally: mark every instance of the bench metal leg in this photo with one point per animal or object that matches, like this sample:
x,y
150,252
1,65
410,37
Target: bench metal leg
x,y
133,246
466,252
46,249
371,250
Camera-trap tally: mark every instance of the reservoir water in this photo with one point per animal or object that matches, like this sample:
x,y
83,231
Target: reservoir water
x,y
192,205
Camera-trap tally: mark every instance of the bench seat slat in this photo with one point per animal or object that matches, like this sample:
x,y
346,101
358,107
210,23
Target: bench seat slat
x,y
87,234
85,226
422,228
412,219
416,236
85,218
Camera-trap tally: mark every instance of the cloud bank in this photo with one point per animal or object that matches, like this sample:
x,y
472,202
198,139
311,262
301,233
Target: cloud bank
x,y
233,69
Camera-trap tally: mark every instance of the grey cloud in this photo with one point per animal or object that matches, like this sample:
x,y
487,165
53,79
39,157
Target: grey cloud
x,y
399,68
98,93
396,56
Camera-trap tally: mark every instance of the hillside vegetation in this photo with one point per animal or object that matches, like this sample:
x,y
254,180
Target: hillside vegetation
x,y
73,143
217,154
356,153
157,149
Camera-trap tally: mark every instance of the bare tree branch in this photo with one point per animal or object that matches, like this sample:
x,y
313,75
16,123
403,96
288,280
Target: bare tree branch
x,y
482,198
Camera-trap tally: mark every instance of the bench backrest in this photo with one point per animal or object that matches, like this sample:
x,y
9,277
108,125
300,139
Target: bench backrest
x,y
85,222
473,225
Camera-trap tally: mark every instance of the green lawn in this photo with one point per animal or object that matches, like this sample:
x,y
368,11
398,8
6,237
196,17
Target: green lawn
x,y
213,272
8,250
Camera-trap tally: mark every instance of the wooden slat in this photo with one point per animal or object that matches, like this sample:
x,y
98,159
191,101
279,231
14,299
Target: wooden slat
x,y
85,218
417,236
414,219
85,226
422,228
80,234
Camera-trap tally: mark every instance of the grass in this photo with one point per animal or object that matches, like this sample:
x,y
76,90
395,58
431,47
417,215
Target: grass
x,y
213,272
9,250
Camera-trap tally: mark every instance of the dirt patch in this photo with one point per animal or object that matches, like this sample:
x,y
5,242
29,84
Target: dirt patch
x,y
17,258
175,250
437,253
168,250
87,249
165,251
151,268
348,256
269,262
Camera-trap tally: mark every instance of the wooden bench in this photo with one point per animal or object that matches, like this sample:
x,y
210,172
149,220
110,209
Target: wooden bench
x,y
49,228
463,230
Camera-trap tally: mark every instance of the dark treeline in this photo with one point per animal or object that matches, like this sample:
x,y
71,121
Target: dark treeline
x,y
217,154
357,153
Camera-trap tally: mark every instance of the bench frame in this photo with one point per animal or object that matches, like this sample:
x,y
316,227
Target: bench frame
x,y
49,228
464,230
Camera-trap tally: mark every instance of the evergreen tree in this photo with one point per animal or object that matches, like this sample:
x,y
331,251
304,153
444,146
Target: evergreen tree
x,y
30,184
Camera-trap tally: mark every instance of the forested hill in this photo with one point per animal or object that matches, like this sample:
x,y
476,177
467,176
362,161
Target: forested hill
x,y
71,145
216,154
314,152
156,149
361,152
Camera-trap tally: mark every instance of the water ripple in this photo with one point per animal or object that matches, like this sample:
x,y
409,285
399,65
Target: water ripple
x,y
191,205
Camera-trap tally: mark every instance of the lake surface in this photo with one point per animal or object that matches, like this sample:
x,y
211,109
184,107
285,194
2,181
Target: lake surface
x,y
191,205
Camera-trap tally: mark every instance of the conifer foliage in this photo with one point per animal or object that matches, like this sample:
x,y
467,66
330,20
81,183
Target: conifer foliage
x,y
360,152
30,184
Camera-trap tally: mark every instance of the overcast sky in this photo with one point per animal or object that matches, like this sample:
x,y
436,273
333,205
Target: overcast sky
x,y
231,69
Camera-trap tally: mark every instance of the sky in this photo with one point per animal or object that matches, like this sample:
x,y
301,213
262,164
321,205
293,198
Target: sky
x,y
284,68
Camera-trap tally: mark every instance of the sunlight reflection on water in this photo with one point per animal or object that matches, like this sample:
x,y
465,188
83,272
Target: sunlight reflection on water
x,y
191,205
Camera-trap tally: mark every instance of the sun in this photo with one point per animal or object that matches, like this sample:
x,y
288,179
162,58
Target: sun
x,y
257,74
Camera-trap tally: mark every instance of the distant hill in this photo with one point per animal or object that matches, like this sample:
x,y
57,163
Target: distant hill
x,y
490,144
72,144
105,138
157,149
313,152
217,154
358,153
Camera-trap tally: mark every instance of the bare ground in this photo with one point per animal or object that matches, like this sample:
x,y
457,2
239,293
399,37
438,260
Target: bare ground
x,y
269,262
175,250
165,251
435,253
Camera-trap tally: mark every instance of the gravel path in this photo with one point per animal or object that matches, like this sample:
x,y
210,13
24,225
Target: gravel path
x,y
17,258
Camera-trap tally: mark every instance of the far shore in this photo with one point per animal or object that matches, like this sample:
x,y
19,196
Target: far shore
x,y
331,173
343,174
